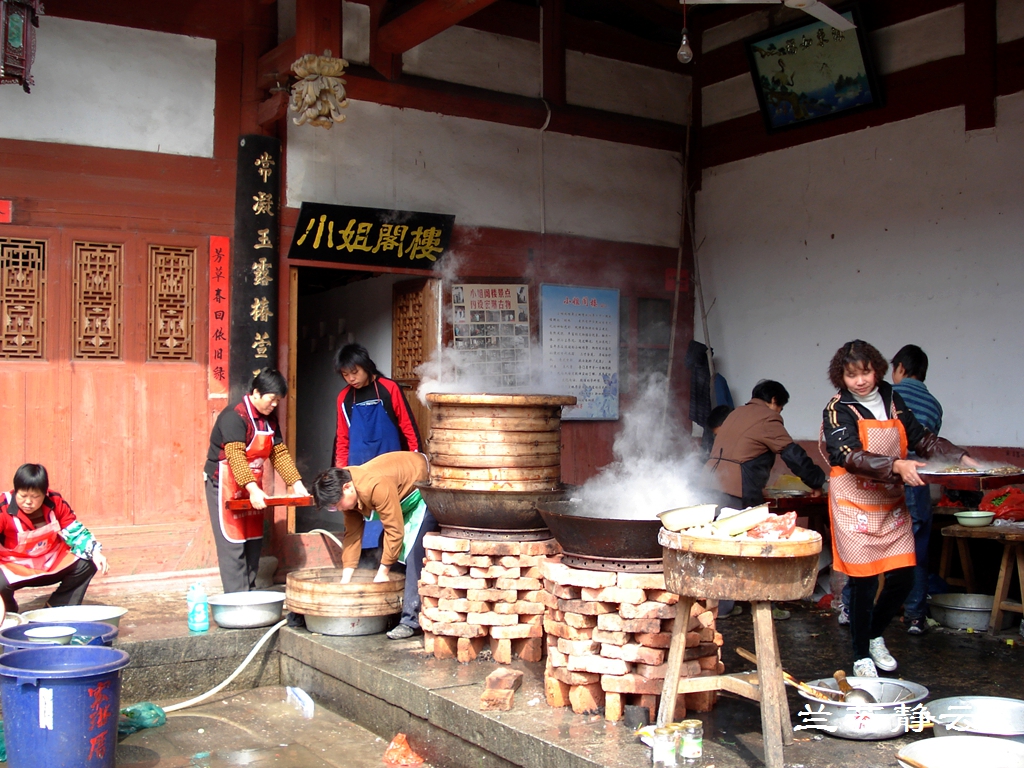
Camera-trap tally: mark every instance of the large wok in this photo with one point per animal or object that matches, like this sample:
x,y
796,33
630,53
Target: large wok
x,y
591,530
504,510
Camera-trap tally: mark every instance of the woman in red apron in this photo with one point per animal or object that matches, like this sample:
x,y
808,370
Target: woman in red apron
x,y
866,430
244,438
373,419
42,542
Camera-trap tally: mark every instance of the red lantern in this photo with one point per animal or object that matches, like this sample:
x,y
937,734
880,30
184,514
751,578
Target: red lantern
x,y
18,22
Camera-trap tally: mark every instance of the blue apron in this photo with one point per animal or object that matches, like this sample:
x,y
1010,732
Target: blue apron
x,y
371,433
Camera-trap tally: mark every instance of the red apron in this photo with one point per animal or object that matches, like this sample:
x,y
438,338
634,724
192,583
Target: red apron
x,y
245,525
39,551
871,529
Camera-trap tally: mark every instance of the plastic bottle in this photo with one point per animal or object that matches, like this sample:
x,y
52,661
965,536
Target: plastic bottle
x,y
198,609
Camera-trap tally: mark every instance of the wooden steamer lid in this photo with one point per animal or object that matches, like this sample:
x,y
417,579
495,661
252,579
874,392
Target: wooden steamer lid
x,y
319,592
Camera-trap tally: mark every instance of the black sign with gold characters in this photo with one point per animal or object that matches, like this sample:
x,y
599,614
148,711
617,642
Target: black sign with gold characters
x,y
254,272
371,236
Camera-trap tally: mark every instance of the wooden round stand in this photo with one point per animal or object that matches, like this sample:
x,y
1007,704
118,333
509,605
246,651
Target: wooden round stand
x,y
758,571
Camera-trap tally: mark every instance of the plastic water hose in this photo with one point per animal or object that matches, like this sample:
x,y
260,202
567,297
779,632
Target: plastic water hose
x,y
329,535
270,632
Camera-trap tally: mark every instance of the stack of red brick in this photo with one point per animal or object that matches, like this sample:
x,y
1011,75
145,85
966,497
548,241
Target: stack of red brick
x,y
608,636
478,594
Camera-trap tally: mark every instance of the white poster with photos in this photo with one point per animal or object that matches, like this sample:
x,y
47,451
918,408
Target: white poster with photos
x,y
492,332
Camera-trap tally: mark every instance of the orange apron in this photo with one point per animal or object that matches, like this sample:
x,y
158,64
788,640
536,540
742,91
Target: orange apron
x,y
39,551
245,525
871,528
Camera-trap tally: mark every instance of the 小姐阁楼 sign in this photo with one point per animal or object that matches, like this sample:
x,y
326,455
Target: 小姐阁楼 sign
x,y
370,236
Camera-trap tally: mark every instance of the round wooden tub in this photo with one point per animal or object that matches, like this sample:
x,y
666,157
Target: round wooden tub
x,y
361,607
723,569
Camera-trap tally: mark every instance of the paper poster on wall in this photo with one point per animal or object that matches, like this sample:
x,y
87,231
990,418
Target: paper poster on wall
x,y
492,333
580,339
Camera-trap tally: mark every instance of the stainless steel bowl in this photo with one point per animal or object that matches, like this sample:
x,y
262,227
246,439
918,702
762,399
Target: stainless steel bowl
x,y
242,610
980,716
966,751
969,611
69,614
889,718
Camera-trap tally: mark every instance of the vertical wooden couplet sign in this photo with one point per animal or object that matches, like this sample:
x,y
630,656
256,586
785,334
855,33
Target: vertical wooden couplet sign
x,y
220,294
254,268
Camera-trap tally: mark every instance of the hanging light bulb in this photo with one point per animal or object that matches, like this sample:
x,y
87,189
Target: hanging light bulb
x,y
685,52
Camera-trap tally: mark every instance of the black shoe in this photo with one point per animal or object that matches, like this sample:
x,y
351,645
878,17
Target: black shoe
x,y
402,632
917,626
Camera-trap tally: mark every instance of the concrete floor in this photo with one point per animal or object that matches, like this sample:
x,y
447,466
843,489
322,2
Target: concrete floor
x,y
258,728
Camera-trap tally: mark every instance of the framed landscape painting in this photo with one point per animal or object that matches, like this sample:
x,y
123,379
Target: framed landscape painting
x,y
809,71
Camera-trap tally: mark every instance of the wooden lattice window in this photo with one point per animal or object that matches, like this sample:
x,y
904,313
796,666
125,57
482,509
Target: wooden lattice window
x,y
172,302
22,297
407,335
98,307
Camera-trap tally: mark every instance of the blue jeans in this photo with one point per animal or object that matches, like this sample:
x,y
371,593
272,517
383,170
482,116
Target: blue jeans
x,y
919,504
413,566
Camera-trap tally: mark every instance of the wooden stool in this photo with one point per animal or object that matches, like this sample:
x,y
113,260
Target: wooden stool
x,y
1013,552
758,571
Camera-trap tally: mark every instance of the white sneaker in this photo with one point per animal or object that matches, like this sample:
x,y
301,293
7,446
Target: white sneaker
x,y
864,668
883,659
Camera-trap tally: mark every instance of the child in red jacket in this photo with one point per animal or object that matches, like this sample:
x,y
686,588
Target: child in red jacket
x,y
42,542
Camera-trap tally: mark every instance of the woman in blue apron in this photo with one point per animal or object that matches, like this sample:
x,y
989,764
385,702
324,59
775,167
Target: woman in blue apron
x,y
373,419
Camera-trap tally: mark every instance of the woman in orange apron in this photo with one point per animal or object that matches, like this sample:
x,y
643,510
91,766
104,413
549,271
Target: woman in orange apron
x,y
42,542
866,431
243,439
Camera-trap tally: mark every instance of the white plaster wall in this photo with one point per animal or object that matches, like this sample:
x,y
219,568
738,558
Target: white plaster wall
x,y
355,35
482,59
486,174
907,233
626,88
105,86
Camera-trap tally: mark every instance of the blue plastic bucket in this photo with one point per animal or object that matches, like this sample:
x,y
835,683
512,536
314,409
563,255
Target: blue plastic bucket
x,y
61,705
90,632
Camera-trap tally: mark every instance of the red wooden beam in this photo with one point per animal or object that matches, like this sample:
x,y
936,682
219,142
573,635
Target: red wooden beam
x,y
387,63
979,64
275,66
1010,67
317,27
273,109
507,18
553,45
423,21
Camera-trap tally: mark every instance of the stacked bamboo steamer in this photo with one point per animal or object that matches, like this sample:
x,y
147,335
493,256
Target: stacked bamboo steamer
x,y
509,443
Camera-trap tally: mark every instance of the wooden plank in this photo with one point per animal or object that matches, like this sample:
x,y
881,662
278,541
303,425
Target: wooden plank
x,y
227,96
419,23
495,450
512,424
273,109
12,416
773,690
515,474
460,460
484,437
274,67
676,654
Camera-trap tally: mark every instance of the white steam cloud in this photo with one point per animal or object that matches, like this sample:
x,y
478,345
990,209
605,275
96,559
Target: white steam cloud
x,y
655,467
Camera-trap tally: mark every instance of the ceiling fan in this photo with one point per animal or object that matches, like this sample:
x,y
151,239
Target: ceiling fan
x,y
815,8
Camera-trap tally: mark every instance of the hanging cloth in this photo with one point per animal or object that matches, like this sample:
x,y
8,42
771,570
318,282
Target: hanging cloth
x,y
871,529
245,525
38,551
371,433
700,382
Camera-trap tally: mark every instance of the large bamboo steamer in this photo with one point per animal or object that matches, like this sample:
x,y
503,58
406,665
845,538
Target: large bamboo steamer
x,y
319,592
484,442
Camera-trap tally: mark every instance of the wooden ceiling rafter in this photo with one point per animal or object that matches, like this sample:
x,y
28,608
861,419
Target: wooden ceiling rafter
x,y
406,27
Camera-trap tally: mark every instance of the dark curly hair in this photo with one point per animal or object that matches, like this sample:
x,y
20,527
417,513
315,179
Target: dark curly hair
x,y
852,353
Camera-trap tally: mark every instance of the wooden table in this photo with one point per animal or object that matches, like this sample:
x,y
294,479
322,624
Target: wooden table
x,y
725,569
1012,537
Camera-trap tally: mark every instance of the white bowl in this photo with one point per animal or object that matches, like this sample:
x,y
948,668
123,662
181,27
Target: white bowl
x,y
50,635
688,517
964,751
974,518
109,614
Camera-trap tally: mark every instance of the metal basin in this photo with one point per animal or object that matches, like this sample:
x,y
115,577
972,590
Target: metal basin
x,y
979,715
347,625
965,751
594,531
505,510
242,610
970,611
889,718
